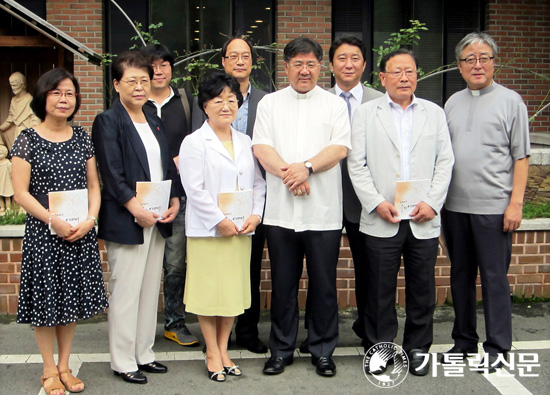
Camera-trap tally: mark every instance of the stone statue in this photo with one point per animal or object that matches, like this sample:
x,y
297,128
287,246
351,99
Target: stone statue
x,y
6,186
20,115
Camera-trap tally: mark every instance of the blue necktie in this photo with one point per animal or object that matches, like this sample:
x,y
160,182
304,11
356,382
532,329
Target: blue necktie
x,y
346,96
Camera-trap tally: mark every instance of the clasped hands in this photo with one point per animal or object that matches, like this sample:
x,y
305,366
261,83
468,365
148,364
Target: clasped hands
x,y
421,213
227,228
295,177
71,233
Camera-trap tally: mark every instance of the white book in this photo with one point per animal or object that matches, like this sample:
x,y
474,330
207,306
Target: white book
x,y
70,206
236,206
154,196
408,194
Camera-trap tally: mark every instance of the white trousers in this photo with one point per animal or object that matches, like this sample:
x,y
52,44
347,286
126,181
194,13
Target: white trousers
x,y
134,287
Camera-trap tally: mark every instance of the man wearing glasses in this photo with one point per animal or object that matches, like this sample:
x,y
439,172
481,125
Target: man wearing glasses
x,y
400,137
237,62
301,134
173,107
490,136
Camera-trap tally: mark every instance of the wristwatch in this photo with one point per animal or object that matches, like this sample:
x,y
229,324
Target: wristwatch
x,y
309,167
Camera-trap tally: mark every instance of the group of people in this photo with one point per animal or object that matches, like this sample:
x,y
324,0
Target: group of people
x,y
310,161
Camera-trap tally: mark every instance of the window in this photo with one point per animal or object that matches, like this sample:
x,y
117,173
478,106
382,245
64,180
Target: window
x,y
447,21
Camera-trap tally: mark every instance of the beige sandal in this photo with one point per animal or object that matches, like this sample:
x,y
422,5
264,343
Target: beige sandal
x,y
56,384
71,381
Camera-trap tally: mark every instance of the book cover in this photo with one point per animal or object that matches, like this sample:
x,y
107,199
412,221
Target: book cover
x,y
154,196
70,206
408,194
236,206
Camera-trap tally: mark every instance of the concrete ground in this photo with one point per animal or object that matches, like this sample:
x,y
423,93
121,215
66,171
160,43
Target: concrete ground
x,y
20,362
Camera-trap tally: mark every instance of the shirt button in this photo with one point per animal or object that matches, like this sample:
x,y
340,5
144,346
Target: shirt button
x,y
397,156
241,188
240,172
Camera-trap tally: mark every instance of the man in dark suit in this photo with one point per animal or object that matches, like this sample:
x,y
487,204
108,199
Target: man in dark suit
x,y
348,61
237,56
347,57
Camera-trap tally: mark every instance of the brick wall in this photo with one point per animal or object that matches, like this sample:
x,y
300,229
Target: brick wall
x,y
311,18
529,273
521,29
83,20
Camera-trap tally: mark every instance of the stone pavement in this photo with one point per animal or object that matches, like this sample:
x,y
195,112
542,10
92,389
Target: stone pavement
x,y
20,362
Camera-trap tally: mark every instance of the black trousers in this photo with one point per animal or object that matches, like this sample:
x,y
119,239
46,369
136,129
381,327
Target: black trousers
x,y
384,260
357,246
286,252
247,323
478,241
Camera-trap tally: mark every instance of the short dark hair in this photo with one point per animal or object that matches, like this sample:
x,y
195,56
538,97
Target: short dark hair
x,y
400,51
303,45
350,40
48,82
159,51
211,87
226,44
126,59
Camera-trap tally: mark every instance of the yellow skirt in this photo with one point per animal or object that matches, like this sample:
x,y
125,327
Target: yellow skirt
x,y
217,282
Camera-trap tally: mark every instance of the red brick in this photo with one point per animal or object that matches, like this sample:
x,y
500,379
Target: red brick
x,y
6,267
529,278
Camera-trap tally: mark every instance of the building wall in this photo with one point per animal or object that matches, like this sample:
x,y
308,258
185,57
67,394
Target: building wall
x,y
522,32
311,18
83,20
529,273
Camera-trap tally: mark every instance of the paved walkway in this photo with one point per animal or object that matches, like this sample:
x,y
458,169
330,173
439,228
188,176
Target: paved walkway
x,y
20,363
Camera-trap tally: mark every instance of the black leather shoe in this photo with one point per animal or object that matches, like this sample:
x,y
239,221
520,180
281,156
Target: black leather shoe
x,y
455,352
304,347
276,365
132,377
493,365
416,361
153,367
324,366
255,345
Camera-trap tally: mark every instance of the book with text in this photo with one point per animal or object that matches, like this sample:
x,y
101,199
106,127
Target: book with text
x,y
236,206
154,196
408,194
70,206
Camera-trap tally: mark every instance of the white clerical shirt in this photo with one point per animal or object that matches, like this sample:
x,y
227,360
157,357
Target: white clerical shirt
x,y
298,126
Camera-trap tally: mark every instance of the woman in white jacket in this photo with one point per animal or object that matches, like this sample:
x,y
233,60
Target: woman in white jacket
x,y
218,159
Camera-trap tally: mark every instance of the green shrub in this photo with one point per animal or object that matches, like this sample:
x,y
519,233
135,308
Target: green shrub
x,y
12,217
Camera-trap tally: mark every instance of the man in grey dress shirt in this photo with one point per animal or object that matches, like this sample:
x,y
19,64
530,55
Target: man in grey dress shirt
x,y
490,136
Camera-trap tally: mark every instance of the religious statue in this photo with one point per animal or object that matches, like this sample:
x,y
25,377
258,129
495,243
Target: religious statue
x,y
20,115
6,186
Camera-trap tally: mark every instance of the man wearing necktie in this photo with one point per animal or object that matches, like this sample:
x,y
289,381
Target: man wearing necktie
x,y
348,61
347,56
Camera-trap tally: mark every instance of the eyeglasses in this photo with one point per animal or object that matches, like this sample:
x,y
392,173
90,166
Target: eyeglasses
x,y
143,82
220,103
70,95
300,65
162,67
234,56
472,60
398,74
